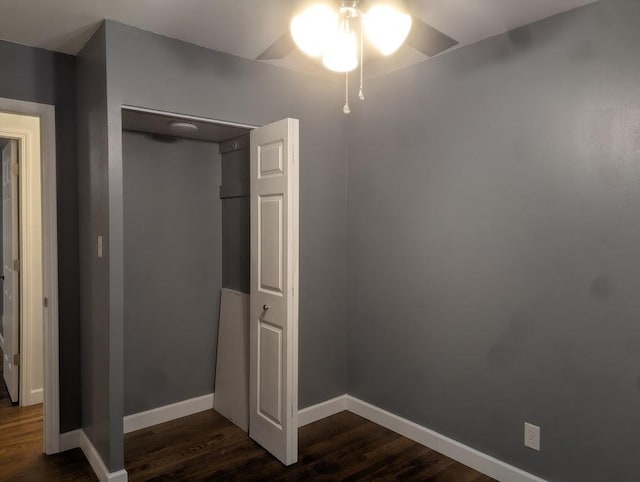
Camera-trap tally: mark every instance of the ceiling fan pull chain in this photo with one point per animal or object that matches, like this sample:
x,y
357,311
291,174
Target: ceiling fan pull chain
x,y
361,94
346,108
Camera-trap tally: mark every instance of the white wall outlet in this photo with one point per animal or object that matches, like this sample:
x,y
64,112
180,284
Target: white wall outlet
x,y
99,246
532,436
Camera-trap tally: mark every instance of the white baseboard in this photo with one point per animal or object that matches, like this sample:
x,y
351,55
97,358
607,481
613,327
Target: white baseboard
x,y
69,440
96,462
440,443
322,410
141,420
79,439
36,396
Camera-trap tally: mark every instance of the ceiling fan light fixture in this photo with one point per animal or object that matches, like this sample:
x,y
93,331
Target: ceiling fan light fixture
x,y
342,50
335,30
386,27
312,28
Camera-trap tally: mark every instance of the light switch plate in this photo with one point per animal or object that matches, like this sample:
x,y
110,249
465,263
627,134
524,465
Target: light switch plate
x,y
532,436
99,246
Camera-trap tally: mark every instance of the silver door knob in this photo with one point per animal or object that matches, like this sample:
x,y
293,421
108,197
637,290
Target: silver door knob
x,y
265,307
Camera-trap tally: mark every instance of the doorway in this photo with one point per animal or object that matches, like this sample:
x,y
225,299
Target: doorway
x,y
263,194
30,318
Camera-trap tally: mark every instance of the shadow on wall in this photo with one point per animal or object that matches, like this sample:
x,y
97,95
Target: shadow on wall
x,y
524,39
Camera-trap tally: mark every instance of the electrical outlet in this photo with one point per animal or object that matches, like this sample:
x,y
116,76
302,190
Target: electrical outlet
x,y
532,436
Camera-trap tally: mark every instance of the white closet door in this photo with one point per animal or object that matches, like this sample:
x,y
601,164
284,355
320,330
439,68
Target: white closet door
x,y
273,415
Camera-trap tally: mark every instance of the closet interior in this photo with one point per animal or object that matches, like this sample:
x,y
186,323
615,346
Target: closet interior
x,y
186,265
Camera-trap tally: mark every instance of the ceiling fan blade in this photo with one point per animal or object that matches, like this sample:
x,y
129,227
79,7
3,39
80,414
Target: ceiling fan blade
x,y
279,49
428,40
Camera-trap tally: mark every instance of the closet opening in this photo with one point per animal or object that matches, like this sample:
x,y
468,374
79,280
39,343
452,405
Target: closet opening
x,y
189,232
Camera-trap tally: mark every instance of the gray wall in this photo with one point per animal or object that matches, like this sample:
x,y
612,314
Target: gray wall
x,y
149,70
206,83
172,270
493,244
236,219
36,75
101,411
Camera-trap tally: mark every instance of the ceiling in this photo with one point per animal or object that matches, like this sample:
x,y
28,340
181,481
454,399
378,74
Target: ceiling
x,y
247,27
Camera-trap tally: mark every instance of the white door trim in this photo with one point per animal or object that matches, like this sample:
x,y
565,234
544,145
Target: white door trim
x,y
41,179
25,130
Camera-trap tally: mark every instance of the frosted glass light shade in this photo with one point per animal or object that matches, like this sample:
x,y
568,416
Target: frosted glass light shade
x,y
386,27
313,27
342,51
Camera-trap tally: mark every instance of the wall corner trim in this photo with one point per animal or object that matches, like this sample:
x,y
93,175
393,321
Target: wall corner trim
x,y
101,471
322,410
78,439
155,416
69,440
440,443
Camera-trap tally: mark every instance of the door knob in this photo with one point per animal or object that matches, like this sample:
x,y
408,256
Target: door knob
x,y
265,307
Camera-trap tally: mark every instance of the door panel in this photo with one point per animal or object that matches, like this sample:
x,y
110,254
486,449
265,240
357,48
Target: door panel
x,y
270,373
271,159
273,377
270,244
10,245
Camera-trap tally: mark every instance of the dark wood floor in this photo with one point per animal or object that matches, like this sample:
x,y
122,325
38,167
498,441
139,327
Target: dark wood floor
x,y
345,446
21,446
206,446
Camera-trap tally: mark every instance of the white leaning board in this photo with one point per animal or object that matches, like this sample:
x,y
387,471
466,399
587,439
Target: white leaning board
x,y
232,364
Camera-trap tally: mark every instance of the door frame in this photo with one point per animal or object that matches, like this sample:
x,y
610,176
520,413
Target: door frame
x,y
45,169
187,117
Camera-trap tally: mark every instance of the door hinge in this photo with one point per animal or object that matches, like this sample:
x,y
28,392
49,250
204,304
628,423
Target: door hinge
x,y
16,265
16,360
15,169
45,302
